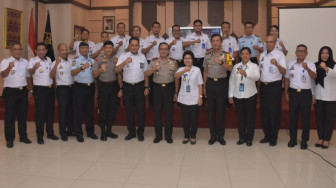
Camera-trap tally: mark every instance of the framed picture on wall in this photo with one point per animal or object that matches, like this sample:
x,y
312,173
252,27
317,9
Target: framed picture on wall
x,y
109,24
13,26
77,32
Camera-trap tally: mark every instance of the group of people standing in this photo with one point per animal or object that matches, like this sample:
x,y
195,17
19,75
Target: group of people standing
x,y
192,71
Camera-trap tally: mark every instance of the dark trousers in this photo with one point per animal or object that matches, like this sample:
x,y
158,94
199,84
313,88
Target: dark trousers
x,y
83,104
270,107
325,118
217,93
134,97
151,94
16,104
199,63
246,110
44,109
108,103
299,102
163,100
190,120
65,114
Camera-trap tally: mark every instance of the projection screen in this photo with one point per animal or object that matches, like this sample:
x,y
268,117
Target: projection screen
x,y
315,27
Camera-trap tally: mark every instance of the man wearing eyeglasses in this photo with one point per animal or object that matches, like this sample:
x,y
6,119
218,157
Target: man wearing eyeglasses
x,y
175,45
136,32
272,67
298,79
163,70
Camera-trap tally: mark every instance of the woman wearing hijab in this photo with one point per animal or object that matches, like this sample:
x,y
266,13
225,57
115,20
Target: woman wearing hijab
x,y
324,91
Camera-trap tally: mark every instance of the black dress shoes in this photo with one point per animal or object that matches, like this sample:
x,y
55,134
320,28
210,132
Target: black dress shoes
x,y
92,135
25,140
273,143
324,147
193,142
169,140
130,136
40,141
80,139
185,141
240,141
222,141
141,138
52,137
64,137
156,140
212,141
318,145
103,137
264,140
304,145
9,144
292,143
111,135
249,143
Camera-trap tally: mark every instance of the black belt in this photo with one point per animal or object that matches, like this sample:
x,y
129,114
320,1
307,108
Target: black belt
x,y
84,84
64,85
108,83
199,59
43,86
217,79
16,88
133,84
163,84
271,83
300,90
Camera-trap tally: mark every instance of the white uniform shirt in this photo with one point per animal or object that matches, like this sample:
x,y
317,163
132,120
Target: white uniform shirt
x,y
153,52
298,76
76,47
277,46
176,51
230,45
17,76
41,76
199,49
269,72
122,49
142,43
134,72
63,72
328,92
193,78
252,75
97,47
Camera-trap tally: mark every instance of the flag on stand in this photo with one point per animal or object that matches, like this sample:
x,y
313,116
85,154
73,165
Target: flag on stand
x,y
31,39
47,39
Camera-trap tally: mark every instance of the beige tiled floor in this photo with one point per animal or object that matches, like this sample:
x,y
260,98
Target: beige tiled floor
x,y
132,164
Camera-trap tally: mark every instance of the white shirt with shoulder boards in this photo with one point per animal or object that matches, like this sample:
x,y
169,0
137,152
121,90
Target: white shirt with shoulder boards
x,y
41,76
63,72
298,76
122,49
76,47
230,45
176,51
236,79
134,71
17,76
199,49
328,92
153,52
269,72
193,78
277,45
97,47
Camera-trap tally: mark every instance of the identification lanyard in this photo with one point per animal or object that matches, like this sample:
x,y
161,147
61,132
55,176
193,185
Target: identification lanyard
x,y
188,89
242,85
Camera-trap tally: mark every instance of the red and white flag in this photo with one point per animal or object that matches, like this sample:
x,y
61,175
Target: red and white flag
x,y
31,40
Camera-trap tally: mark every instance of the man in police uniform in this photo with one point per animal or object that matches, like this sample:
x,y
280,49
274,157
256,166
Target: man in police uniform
x,y
39,68
120,41
134,87
216,88
229,43
272,66
83,93
104,72
136,32
198,43
298,79
61,71
98,49
74,44
252,41
164,69
151,50
175,45
14,71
